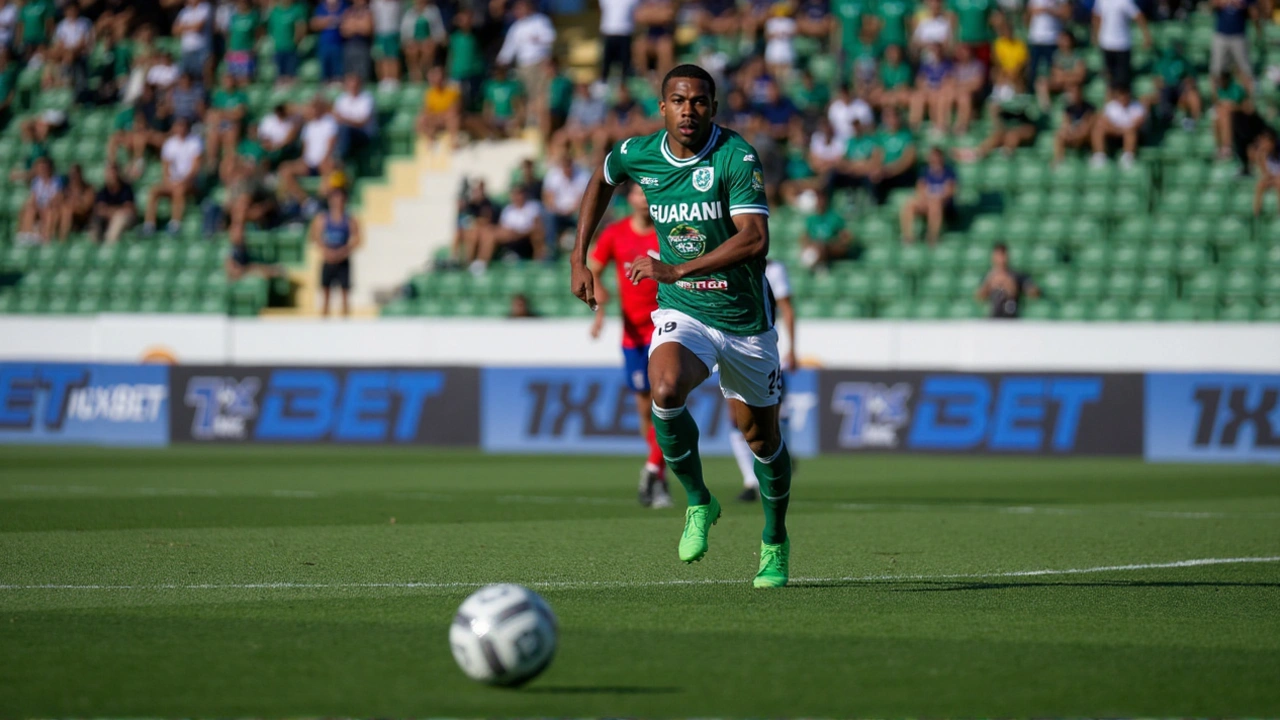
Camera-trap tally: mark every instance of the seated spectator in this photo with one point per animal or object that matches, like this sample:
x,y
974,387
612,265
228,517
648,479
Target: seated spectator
x,y
1268,162
1013,113
890,17
527,179
386,41
1009,53
969,81
586,115
181,155
1229,95
115,17
326,22
1044,28
224,120
1076,129
187,100
277,131
626,118
503,114
1247,128
825,237
34,27
813,19
738,111
161,73
43,206
893,80
861,161
1122,117
114,207
934,200
718,17
518,233
337,233
847,109
422,35
826,147
654,46
319,136
562,190
287,26
476,216
894,162
778,113
243,174
76,207
1005,287
780,32
441,107
108,74
1068,68
137,128
192,26
935,90
862,55
240,263
1175,88
800,176
356,115
357,40
973,27
559,99
68,58
932,26
521,307
243,28
810,96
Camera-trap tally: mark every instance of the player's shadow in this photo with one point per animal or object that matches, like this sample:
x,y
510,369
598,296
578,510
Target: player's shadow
x,y
919,586
603,690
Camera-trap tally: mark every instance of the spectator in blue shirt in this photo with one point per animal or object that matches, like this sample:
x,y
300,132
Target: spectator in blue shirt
x,y
1229,49
778,112
934,199
326,23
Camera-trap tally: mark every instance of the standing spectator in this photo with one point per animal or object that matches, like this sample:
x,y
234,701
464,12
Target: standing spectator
x,y
655,46
825,238
973,20
76,207
1111,32
932,26
287,26
35,26
187,99
386,40
224,120
441,107
780,33
895,158
934,200
243,29
357,40
1122,117
617,25
114,207
327,23
1076,129
422,34
466,61
337,233
519,232
562,190
357,118
1005,287
527,45
1068,67
319,135
180,155
1230,50
1268,161
935,90
192,27
1175,88
1045,25
42,207
1009,53
503,106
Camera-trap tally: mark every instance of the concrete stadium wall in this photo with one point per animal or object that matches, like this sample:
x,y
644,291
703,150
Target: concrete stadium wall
x,y
888,345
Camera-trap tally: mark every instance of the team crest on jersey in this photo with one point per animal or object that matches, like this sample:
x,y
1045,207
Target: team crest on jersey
x,y
703,177
757,180
687,241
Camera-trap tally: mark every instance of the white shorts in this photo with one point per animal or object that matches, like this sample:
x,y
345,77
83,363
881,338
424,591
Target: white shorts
x,y
750,369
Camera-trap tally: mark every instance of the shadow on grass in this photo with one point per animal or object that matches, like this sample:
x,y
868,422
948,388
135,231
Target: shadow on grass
x,y
602,690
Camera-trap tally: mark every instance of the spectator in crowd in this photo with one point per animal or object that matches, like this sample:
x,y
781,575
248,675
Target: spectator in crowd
x,y
934,200
1047,19
35,26
240,263
935,90
527,46
932,26
654,47
587,113
527,179
1247,127
893,80
562,190
969,80
181,155
1230,94
423,34
72,41
717,17
108,72
357,40
466,62
387,15
76,207
224,120
1229,51
862,56
778,113
243,28
161,73
626,118
973,27
1076,129
813,19
895,158
277,131
441,107
337,234
1013,113
810,96
41,209
187,99
1009,53
826,147
8,23
521,307
243,174
861,162
846,109
617,25
559,98
476,216
738,113
114,207
8,85
287,27
1175,88
1268,162
1003,287
503,114
356,115
825,238
1068,68
1122,117
326,22
192,25
891,16
518,232
319,136
1112,20
780,32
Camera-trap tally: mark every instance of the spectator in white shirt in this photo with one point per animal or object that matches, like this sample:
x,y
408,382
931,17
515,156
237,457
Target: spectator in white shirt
x,y
562,190
780,32
1044,26
518,232
1122,117
192,26
357,120
846,109
162,73
1112,20
422,32
617,25
41,209
319,135
8,22
386,40
72,39
277,131
527,45
181,155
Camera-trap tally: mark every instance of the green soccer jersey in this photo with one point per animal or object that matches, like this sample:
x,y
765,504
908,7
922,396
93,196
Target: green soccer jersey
x,y
282,26
894,13
692,202
241,29
35,16
973,16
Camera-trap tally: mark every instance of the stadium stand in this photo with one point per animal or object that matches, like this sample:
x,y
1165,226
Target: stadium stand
x,y
1169,232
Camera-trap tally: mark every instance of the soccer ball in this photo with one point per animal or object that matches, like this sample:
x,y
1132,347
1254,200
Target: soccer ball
x,y
503,635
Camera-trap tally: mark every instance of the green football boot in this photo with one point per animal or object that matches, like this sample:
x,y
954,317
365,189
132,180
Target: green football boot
x,y
773,565
698,520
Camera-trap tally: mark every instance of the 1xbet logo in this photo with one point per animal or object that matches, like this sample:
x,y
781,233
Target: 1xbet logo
x,y
223,406
1227,413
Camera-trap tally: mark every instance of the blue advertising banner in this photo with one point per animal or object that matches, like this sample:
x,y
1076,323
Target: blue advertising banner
x,y
592,411
1213,418
84,404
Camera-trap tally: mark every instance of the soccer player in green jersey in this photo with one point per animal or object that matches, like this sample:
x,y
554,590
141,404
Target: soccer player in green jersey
x,y
705,190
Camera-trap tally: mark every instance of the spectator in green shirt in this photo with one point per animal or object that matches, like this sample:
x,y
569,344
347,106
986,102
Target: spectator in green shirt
x,y
893,82
559,98
1068,67
243,28
1175,88
224,120
825,236
1230,95
973,18
894,159
287,26
893,15
35,25
422,35
503,104
466,61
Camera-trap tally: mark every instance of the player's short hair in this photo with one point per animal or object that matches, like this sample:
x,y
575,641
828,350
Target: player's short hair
x,y
693,72
1001,247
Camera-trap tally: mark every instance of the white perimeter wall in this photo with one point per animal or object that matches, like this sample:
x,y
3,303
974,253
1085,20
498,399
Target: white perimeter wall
x,y
974,345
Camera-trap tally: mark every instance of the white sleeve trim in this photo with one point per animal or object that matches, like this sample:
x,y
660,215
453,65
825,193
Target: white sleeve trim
x,y
605,167
749,210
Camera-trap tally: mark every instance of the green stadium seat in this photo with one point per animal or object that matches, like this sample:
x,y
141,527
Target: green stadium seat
x,y
1241,284
1127,203
929,309
1095,257
976,257
937,284
155,283
858,285
1060,203
1122,285
1178,202
1188,176
1111,311
1089,286
1085,231
913,258
1146,311
847,310
1029,203
1229,232
889,287
1040,258
1241,311
1186,312
1074,311
1191,257
1039,310
1020,230
1057,284
1269,313
137,255
896,310
1154,286
881,256
965,309
49,255
88,302
79,255
1202,286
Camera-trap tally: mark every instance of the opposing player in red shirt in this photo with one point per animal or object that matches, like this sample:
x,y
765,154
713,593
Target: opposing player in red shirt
x,y
621,243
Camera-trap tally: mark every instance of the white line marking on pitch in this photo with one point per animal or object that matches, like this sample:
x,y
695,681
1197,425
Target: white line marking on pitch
x,y
589,584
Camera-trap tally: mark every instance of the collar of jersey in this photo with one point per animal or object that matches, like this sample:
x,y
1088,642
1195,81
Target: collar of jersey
x,y
706,149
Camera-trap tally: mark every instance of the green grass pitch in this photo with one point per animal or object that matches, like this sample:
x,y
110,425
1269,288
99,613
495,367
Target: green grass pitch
x,y
237,582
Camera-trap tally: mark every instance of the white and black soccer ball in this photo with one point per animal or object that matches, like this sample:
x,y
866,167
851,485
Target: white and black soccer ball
x,y
504,635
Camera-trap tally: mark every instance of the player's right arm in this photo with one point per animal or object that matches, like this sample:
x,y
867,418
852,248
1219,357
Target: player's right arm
x,y
602,296
594,202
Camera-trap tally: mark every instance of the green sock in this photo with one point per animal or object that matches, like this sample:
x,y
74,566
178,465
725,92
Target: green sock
x,y
774,475
678,437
